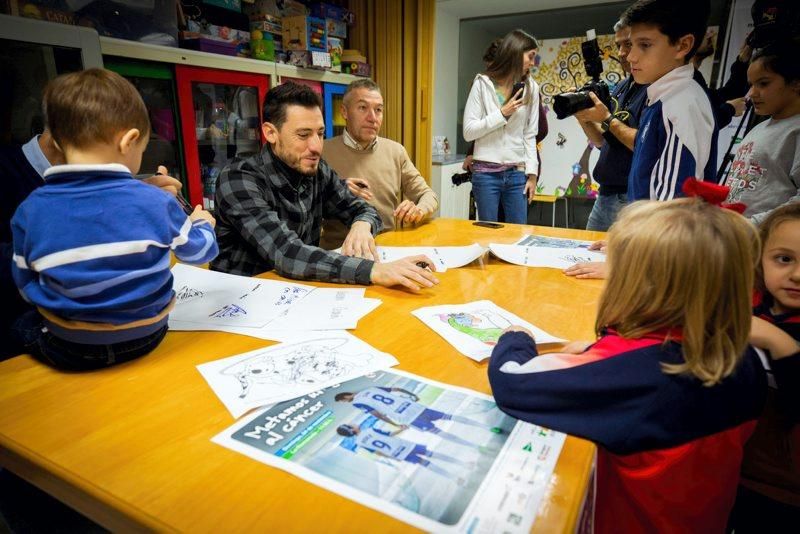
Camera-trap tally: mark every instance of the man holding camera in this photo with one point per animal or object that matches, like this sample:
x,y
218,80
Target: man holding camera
x,y
614,133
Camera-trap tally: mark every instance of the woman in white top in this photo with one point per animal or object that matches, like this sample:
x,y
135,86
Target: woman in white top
x,y
504,128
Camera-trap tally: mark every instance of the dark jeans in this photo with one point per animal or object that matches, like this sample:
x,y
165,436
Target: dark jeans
x,y
506,187
36,339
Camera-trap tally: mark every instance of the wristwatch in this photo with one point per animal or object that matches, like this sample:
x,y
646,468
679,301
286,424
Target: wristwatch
x,y
606,124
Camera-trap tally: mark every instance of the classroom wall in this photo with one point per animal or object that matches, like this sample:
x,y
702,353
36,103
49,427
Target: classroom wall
x,y
445,73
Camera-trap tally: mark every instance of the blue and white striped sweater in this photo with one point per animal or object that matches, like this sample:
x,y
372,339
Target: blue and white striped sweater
x,y
676,140
92,246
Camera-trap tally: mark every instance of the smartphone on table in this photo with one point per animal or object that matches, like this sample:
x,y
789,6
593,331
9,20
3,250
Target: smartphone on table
x,y
487,224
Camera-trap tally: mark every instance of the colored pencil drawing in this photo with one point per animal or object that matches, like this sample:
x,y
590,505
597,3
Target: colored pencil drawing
x,y
483,325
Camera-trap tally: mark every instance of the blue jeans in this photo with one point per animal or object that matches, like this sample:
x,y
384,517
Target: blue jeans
x,y
605,210
508,187
36,339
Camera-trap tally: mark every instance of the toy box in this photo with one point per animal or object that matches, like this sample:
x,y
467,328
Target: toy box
x,y
335,51
357,68
336,28
309,60
304,33
328,11
299,58
152,22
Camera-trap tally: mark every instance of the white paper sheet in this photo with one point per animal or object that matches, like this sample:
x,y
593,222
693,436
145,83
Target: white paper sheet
x,y
556,258
473,328
212,298
443,257
269,331
492,480
305,363
325,308
534,240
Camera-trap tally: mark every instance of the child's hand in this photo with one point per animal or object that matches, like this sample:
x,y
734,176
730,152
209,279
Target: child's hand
x,y
199,214
576,347
599,245
588,269
516,328
765,335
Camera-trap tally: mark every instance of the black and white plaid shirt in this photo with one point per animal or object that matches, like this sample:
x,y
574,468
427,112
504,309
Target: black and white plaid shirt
x,y
269,217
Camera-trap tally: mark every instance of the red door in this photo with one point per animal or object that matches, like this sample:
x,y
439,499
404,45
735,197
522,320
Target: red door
x,y
221,116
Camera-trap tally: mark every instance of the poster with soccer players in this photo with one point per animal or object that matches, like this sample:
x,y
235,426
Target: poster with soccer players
x,y
435,456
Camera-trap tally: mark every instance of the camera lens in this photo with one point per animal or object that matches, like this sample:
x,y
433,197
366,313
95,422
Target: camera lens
x,y
567,104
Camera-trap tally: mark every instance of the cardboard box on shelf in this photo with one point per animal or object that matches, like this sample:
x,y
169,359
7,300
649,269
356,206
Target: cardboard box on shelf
x,y
349,54
304,33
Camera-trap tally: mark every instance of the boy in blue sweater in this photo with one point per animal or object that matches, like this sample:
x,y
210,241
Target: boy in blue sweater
x,y
92,245
677,135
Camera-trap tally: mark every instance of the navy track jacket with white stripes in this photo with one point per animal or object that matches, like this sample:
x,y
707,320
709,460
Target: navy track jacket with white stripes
x,y
676,140
91,251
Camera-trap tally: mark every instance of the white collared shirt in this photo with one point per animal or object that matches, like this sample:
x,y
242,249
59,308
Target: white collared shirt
x,y
352,143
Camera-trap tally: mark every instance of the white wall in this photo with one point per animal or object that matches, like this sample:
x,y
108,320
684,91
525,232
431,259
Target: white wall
x,y
470,62
445,97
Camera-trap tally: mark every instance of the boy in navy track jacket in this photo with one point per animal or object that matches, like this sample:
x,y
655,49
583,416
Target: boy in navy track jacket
x,y
677,134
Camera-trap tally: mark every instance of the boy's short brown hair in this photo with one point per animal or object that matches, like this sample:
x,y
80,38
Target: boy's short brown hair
x,y
92,106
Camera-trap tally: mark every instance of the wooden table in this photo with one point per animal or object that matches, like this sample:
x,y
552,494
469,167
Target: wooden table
x,y
130,446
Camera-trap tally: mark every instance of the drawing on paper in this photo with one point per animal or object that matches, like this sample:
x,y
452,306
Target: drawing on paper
x,y
231,310
186,293
551,242
313,362
483,325
290,294
572,258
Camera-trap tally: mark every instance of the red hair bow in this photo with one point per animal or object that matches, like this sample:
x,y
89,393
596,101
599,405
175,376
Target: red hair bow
x,y
712,194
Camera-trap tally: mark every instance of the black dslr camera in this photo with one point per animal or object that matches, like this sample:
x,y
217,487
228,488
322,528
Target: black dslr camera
x,y
567,104
461,178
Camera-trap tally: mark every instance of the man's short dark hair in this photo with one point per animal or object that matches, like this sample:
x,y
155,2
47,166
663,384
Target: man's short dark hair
x,y
285,95
673,18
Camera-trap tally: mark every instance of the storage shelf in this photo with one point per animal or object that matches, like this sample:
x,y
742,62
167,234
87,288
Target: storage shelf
x,y
180,56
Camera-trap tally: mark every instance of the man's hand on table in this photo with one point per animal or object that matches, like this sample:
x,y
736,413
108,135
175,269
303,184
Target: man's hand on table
x,y
407,272
359,242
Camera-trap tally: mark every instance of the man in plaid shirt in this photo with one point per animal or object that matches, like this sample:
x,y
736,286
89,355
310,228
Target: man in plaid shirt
x,y
270,207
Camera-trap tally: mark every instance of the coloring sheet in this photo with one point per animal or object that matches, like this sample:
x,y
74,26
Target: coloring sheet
x,y
556,258
277,329
324,308
447,459
296,367
552,242
212,298
443,257
474,328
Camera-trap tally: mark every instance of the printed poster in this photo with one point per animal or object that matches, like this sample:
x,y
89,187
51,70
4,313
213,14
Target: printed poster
x,y
435,456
